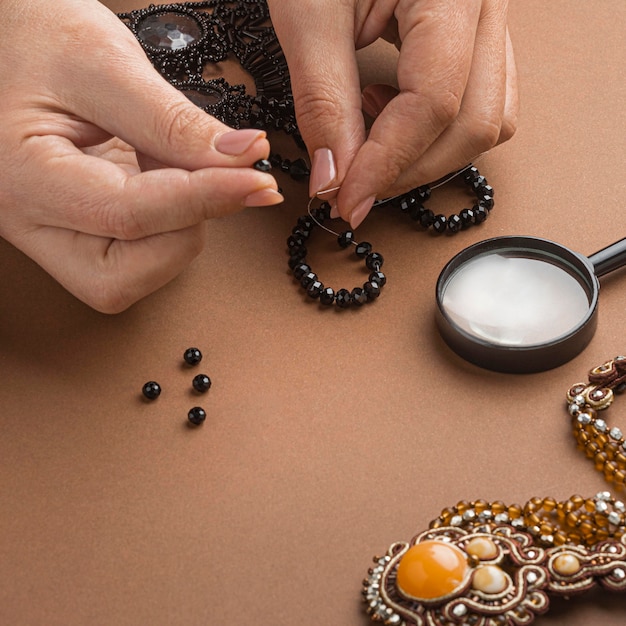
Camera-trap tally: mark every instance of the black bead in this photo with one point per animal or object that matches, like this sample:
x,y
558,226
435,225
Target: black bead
x,y
480,214
301,270
487,202
467,217
298,170
374,261
372,290
407,203
423,193
192,356
363,249
201,383
440,223
151,390
345,239
379,278
263,165
327,297
197,415
295,241
308,278
294,261
315,289
427,218
470,174
298,253
358,296
343,298
416,212
454,223
305,222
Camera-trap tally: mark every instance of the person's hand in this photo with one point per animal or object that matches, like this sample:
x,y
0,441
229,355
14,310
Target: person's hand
x,y
108,172
456,96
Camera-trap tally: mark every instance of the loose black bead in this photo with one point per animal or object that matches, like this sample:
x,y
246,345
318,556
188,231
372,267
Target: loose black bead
x,y
358,296
363,249
327,297
379,278
440,223
263,165
301,270
343,298
299,170
192,356
151,390
197,415
201,383
374,261
345,239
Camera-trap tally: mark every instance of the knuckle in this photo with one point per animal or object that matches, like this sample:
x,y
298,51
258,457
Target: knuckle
x,y
508,129
483,135
445,108
176,123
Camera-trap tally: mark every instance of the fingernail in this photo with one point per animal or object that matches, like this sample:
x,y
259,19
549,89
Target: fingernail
x,y
334,211
236,142
360,211
370,104
263,197
323,171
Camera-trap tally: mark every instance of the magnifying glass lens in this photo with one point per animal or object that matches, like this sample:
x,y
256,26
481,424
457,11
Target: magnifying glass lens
x,y
512,300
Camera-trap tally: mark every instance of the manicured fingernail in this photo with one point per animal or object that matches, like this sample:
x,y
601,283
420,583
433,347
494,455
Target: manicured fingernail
x,y
236,142
334,211
360,211
323,171
263,197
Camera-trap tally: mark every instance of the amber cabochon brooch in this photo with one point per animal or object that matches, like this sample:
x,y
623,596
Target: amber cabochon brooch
x,y
493,564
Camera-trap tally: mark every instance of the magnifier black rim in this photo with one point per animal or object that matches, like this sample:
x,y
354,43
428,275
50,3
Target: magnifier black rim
x,y
558,253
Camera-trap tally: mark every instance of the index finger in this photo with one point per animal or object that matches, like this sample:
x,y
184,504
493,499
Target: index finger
x,y
433,69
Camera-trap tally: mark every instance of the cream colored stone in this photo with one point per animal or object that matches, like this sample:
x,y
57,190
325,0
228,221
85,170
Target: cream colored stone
x,y
490,579
566,564
482,548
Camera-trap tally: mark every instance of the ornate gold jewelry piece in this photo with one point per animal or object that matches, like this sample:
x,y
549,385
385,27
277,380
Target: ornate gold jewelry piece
x,y
492,564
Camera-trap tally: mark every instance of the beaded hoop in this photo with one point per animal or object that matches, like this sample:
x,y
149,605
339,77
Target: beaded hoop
x,y
491,564
302,272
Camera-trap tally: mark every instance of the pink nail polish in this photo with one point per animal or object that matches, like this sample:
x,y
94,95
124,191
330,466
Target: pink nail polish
x,y
360,211
263,197
236,142
323,171
370,105
334,211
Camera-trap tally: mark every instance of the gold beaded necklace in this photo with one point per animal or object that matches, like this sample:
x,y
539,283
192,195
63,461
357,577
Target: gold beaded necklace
x,y
491,564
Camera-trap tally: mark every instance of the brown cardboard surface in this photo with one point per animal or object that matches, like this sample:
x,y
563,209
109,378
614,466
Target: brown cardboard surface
x,y
329,435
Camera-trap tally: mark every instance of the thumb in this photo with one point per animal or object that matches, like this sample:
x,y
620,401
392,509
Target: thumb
x,y
325,83
133,102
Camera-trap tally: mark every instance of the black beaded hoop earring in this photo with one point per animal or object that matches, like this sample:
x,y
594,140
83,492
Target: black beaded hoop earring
x,y
308,279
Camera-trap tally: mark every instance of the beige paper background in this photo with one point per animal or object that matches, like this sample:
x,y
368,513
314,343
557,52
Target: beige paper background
x,y
330,435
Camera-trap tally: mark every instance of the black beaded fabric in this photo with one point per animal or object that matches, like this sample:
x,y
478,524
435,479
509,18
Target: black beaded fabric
x,y
308,279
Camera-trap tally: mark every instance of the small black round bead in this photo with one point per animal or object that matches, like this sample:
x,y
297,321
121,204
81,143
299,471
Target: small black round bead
x,y
192,356
343,298
327,297
407,203
302,231
300,270
197,415
470,174
487,202
480,214
363,249
374,261
345,239
358,296
201,383
423,193
378,277
454,223
299,170
440,223
308,278
151,390
293,262
263,165
467,217
416,212
315,289
372,290
299,253
427,218
295,241
305,222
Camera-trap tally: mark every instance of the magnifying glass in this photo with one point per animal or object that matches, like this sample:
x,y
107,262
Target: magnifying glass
x,y
522,304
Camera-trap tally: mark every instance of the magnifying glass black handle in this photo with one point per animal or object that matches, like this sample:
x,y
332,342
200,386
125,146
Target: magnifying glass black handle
x,y
610,258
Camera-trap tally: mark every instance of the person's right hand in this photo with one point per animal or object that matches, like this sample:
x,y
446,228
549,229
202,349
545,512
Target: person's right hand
x,y
108,172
